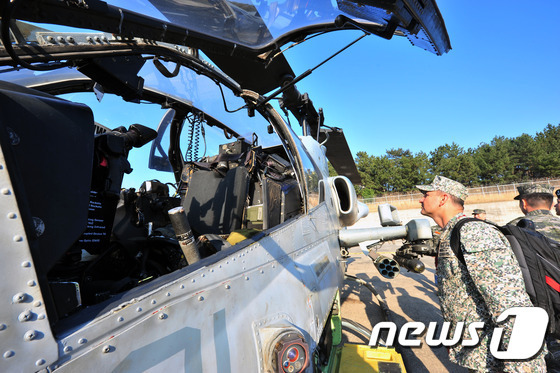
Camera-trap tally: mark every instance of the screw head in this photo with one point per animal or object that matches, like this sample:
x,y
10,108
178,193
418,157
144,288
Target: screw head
x,y
30,335
25,316
19,298
9,354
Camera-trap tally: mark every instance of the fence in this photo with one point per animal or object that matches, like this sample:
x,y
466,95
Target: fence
x,y
483,190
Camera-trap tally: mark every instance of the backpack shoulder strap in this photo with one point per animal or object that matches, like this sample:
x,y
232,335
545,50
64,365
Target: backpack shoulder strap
x,y
455,240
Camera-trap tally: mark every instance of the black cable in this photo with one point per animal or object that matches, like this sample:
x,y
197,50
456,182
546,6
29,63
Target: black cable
x,y
203,132
224,101
9,8
190,134
287,115
196,129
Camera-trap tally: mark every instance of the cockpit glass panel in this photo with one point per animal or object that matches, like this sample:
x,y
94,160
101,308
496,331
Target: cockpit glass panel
x,y
206,95
198,91
312,178
252,23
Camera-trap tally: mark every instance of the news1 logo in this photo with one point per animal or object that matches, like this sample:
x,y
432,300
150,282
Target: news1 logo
x,y
525,342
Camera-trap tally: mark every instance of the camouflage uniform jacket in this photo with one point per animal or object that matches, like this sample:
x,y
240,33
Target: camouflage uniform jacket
x,y
545,222
493,284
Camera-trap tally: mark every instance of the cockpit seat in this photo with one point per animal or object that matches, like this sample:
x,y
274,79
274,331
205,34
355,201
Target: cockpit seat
x,y
215,203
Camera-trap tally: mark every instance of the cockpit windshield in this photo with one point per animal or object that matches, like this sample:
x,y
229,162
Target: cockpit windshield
x,y
209,97
258,23
201,136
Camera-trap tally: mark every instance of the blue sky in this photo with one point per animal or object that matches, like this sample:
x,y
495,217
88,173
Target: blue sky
x,y
502,77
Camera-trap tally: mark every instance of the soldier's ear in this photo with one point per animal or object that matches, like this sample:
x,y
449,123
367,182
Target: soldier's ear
x,y
444,198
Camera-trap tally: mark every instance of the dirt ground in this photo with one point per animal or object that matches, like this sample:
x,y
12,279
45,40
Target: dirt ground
x,y
409,297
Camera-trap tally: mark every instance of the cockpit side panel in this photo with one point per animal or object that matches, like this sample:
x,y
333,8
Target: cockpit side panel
x,y
219,316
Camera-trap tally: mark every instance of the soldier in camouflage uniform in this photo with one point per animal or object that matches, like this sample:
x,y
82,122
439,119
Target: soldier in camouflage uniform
x,y
436,232
481,214
535,201
492,283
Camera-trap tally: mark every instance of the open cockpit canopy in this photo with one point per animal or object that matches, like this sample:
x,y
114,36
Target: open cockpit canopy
x,y
245,35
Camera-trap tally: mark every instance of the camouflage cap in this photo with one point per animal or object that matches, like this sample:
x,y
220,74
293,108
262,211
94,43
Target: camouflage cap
x,y
533,188
446,185
479,211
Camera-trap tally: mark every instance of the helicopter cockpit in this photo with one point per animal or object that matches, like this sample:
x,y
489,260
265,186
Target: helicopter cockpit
x,y
140,181
233,181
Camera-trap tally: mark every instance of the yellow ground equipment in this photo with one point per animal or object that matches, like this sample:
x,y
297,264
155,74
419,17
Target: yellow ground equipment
x,y
362,358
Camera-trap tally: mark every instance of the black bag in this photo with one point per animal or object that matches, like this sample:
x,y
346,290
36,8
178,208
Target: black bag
x,y
539,260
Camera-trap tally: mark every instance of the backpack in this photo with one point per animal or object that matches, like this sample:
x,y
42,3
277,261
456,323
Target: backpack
x,y
539,260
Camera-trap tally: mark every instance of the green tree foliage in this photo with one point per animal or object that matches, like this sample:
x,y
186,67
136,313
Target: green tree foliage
x,y
408,169
547,152
453,162
503,160
523,158
494,161
375,173
397,171
444,160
